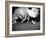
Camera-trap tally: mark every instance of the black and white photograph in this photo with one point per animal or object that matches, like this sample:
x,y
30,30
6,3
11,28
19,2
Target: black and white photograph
x,y
25,18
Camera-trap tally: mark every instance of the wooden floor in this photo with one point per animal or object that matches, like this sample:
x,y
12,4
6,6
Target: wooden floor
x,y
26,26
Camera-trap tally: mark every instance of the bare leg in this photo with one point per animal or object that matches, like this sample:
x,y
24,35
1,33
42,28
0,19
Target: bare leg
x,y
22,21
33,22
28,19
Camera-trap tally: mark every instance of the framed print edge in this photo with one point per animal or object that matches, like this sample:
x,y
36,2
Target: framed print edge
x,y
6,19
7,4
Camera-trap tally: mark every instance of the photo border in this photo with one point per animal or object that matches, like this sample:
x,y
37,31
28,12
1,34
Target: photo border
x,y
7,3
27,31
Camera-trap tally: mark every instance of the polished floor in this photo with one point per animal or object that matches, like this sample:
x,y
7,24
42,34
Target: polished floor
x,y
26,26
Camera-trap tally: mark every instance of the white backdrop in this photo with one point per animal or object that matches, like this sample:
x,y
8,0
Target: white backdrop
x,y
2,19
